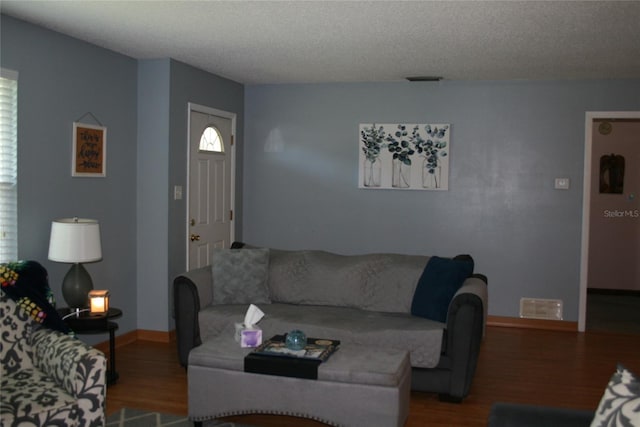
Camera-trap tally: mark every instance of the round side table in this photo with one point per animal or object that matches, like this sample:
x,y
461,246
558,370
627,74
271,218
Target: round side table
x,y
88,323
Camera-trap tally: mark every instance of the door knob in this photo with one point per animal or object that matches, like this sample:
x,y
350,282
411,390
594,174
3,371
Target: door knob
x,y
195,237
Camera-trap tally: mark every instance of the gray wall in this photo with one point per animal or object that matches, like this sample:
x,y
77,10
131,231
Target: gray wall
x,y
143,104
164,90
152,202
60,80
189,84
509,140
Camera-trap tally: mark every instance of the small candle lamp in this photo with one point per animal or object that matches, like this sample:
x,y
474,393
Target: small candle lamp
x,y
99,301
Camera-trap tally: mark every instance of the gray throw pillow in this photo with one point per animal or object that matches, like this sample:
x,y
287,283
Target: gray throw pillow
x,y
240,276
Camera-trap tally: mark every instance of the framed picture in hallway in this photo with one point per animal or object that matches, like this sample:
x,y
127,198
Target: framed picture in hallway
x,y
89,154
402,156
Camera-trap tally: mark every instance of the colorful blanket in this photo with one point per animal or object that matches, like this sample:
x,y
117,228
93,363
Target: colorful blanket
x,y
27,283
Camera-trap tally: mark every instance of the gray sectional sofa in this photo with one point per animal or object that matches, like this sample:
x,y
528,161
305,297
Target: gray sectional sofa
x,y
437,314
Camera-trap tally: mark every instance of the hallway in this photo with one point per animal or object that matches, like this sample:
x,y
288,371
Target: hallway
x,y
612,312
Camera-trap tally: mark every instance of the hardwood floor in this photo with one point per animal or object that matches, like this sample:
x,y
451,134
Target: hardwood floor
x,y
555,368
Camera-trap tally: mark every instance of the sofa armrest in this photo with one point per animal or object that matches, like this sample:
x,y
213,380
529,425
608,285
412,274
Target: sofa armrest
x,y
191,291
465,329
474,285
79,368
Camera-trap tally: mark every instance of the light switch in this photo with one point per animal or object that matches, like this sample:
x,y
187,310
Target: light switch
x,y
177,192
562,184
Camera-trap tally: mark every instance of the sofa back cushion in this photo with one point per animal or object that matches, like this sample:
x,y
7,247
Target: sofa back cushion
x,y
240,276
376,282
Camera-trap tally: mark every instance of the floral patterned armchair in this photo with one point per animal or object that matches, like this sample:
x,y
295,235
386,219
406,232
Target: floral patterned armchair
x,y
47,378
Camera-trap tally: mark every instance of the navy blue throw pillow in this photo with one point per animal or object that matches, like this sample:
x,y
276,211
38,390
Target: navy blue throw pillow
x,y
440,280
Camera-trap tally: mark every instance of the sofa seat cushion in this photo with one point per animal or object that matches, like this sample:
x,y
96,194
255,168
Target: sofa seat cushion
x,y
421,337
31,398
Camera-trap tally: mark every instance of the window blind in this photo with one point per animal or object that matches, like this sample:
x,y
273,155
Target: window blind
x,y
8,165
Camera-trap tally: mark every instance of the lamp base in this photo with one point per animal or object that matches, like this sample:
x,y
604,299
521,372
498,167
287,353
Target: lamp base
x,y
76,286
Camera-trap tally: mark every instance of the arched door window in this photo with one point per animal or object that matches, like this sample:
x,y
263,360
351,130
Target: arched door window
x,y
210,140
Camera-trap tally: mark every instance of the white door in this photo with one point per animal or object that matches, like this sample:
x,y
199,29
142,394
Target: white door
x,y
210,209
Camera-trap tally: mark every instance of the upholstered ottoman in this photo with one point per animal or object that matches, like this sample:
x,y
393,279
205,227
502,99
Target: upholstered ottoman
x,y
357,386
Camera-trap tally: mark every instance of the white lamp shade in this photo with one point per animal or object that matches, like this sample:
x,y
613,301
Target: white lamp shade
x,y
75,240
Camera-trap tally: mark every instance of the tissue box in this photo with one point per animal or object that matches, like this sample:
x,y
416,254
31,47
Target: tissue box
x,y
248,337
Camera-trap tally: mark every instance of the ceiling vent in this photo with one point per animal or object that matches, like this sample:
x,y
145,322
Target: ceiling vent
x,y
424,79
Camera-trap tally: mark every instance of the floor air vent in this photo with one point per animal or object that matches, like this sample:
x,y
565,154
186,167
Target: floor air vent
x,y
537,308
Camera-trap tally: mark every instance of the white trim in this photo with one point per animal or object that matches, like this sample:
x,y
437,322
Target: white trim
x,y
6,73
586,203
227,115
9,167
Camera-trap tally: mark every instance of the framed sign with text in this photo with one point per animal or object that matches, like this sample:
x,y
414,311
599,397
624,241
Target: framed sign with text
x,y
89,150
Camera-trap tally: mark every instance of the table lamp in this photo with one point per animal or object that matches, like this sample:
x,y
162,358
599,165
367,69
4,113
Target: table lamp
x,y
75,240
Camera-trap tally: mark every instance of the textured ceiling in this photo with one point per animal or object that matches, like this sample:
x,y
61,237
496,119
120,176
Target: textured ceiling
x,y
346,41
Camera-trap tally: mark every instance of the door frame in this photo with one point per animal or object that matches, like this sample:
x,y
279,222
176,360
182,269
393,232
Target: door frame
x,y
586,203
232,200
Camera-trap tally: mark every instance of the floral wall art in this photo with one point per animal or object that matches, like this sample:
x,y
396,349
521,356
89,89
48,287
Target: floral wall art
x,y
404,156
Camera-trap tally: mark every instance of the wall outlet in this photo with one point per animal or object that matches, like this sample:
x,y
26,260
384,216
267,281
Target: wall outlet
x,y
562,184
177,192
